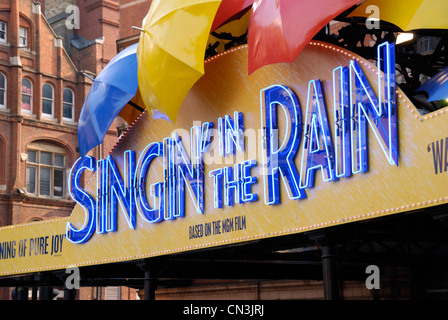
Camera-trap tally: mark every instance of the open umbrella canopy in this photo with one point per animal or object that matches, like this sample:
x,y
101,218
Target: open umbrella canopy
x,y
408,14
280,29
171,51
229,9
437,86
111,90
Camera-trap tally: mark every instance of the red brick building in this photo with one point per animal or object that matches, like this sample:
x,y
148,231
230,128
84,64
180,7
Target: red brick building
x,y
42,91
42,94
131,13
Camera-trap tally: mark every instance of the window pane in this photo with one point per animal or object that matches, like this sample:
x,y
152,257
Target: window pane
x,y
45,158
67,96
26,102
2,97
23,37
59,160
44,181
2,31
47,91
32,156
59,183
67,111
31,179
2,81
26,86
26,94
47,106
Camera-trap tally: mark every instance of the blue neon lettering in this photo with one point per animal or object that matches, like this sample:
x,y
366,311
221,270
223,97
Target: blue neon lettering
x,y
121,193
156,213
366,108
356,108
342,135
281,158
191,171
170,176
247,181
103,195
317,152
231,134
232,185
85,200
217,187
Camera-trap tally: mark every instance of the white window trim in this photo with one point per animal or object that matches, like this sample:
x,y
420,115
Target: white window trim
x,y
25,37
3,106
47,115
54,150
72,119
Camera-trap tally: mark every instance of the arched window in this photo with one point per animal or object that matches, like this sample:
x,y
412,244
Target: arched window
x,y
68,105
2,91
3,34
27,96
47,100
46,170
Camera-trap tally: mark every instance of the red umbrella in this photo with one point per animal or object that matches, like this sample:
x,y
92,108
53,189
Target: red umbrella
x,y
280,29
228,9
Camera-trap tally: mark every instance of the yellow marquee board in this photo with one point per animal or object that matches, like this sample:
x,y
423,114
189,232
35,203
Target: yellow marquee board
x,y
384,189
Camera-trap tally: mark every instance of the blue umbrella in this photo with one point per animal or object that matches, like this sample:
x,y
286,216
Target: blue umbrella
x,y
111,90
437,86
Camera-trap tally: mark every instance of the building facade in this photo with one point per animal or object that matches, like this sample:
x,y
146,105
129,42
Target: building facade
x,y
43,84
42,95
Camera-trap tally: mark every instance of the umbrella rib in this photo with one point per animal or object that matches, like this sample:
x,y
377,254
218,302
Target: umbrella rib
x,y
136,106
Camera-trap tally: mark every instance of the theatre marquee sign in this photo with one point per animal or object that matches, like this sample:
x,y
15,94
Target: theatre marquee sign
x,y
322,141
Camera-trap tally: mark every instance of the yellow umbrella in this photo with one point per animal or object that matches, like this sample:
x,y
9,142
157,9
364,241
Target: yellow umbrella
x,y
408,14
171,51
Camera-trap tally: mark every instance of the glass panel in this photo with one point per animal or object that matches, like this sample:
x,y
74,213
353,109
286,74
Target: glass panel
x,y
3,31
59,160
47,91
45,158
59,183
23,36
44,181
32,156
31,179
26,102
67,96
47,106
67,111
2,97
26,86
2,81
26,94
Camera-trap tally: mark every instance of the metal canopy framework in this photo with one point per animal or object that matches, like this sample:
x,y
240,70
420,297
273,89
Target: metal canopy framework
x,y
416,240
